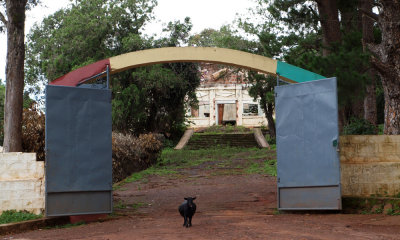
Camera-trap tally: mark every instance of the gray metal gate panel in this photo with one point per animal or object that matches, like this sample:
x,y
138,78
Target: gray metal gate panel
x,y
307,134
78,151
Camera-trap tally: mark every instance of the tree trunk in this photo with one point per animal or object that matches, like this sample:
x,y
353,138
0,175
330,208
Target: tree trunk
x,y
350,16
14,75
268,110
392,108
370,110
329,18
357,106
386,61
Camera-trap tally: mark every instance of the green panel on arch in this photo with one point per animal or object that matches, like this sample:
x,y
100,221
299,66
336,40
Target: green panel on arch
x,y
296,74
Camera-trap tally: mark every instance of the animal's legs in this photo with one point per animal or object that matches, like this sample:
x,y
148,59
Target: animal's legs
x,y
185,221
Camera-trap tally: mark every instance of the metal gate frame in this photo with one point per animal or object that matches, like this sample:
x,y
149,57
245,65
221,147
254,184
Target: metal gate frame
x,y
78,151
308,166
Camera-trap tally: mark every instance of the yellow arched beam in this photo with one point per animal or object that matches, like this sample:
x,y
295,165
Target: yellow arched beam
x,y
187,54
193,54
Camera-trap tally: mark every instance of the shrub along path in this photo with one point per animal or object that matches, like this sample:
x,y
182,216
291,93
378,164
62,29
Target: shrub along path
x,y
236,199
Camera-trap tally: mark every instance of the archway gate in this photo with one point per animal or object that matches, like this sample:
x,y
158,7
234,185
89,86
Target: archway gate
x,y
78,129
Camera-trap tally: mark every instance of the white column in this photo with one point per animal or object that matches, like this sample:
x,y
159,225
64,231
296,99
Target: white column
x,y
212,106
239,97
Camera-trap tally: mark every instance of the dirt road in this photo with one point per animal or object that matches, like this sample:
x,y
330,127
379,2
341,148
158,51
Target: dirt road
x,y
238,206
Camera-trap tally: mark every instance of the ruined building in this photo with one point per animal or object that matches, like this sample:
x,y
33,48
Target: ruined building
x,y
224,99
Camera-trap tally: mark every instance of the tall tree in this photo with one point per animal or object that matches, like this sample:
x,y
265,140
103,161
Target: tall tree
x,y
386,60
315,38
263,88
329,18
370,107
144,99
158,94
2,98
88,31
14,24
27,102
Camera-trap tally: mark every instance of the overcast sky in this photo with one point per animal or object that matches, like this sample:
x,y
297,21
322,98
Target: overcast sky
x,y
204,14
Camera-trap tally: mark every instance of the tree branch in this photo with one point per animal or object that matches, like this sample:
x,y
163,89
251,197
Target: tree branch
x,y
370,14
3,19
383,69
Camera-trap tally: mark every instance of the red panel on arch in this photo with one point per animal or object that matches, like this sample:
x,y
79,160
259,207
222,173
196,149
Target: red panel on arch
x,y
73,78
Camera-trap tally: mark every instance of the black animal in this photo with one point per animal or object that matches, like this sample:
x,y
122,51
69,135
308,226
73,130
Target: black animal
x,y
187,209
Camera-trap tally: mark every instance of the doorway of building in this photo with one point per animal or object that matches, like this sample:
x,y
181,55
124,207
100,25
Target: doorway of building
x,y
226,113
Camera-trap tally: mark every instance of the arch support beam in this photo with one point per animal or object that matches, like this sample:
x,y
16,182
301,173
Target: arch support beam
x,y
188,54
193,54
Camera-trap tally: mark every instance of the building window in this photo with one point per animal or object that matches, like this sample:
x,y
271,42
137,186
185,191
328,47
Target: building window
x,y
250,109
203,110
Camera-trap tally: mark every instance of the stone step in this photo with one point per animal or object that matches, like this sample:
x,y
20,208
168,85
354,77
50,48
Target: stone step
x,y
230,139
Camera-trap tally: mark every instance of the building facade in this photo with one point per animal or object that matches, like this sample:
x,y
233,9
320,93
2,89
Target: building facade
x,y
224,99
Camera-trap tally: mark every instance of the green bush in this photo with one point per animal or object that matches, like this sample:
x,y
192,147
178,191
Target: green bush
x,y
11,216
132,154
168,143
381,128
359,127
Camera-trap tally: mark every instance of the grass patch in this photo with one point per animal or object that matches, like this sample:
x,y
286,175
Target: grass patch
x,y
276,212
141,176
393,212
251,160
270,167
218,129
270,141
154,170
225,161
190,158
11,216
254,168
137,205
122,205
267,167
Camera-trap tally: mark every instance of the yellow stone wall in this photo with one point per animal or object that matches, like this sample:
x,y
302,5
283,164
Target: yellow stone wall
x,y
370,165
21,182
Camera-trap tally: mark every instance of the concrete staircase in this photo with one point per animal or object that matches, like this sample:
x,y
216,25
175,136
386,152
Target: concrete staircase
x,y
184,139
260,138
199,141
